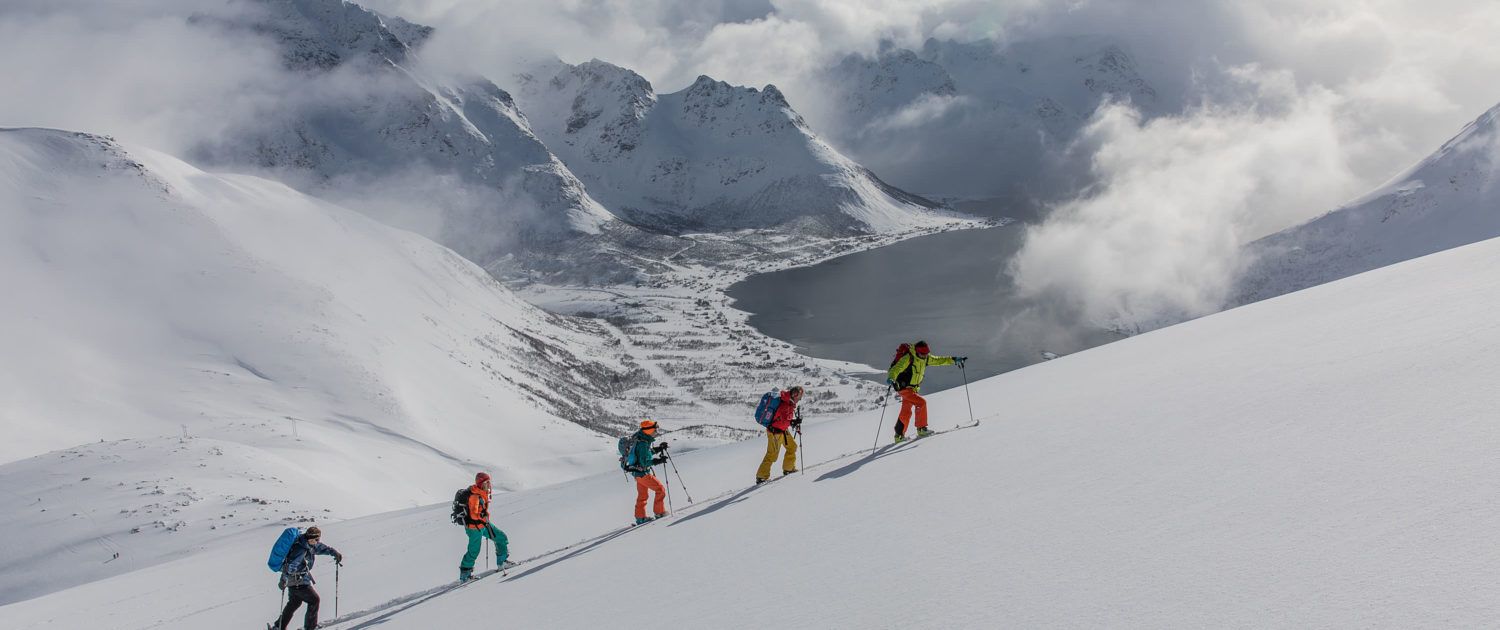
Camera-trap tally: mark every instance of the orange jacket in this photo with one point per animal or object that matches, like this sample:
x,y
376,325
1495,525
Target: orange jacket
x,y
479,507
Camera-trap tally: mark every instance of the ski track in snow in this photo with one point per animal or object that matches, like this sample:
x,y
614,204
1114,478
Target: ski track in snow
x,y
708,505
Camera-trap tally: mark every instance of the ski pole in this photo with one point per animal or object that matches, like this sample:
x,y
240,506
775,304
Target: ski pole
x,y
885,399
336,566
802,446
486,552
680,482
965,372
668,485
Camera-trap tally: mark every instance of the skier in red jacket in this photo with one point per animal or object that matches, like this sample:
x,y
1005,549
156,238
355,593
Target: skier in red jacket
x,y
779,435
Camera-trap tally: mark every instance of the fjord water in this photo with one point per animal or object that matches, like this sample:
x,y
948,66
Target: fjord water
x,y
952,290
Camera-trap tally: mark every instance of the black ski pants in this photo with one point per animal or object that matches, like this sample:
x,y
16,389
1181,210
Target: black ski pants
x,y
294,598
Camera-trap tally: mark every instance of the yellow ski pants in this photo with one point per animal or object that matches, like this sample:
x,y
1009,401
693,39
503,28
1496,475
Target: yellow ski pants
x,y
774,443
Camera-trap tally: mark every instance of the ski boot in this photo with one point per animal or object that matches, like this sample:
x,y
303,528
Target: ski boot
x,y
642,520
659,516
759,481
923,432
899,438
465,575
788,472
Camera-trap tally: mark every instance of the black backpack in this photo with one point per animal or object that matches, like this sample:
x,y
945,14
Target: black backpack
x,y
904,378
461,507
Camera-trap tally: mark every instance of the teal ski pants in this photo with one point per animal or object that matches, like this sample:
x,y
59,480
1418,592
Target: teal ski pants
x,y
476,536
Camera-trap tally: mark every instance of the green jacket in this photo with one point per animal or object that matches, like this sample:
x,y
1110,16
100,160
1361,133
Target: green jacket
x,y
641,455
909,369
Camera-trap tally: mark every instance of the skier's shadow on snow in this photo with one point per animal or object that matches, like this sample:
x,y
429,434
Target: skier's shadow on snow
x,y
718,505
570,555
884,451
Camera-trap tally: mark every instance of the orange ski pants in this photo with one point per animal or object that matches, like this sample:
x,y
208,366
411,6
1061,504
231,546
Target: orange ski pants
x,y
910,400
643,485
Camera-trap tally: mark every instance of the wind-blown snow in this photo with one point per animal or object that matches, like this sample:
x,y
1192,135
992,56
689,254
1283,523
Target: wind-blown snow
x,y
1319,459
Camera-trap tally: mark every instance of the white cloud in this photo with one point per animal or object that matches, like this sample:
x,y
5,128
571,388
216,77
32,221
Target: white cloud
x,y
139,71
1157,239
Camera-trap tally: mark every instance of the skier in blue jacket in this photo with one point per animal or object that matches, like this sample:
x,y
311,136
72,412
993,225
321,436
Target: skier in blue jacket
x,y
297,579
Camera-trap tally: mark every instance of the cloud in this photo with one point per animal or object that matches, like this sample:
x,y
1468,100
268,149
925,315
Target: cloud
x,y
138,71
927,108
1157,238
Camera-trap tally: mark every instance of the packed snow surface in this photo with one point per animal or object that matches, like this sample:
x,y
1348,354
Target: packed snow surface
x,y
1321,459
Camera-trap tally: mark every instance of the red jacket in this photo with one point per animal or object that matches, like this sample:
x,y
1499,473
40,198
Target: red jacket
x,y
783,420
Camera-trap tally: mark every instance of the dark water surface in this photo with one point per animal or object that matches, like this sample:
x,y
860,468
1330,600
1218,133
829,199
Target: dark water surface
x,y
950,289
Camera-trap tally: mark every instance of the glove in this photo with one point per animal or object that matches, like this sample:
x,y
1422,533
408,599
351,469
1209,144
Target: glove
x,y
281,583
959,361
658,461
891,382
338,558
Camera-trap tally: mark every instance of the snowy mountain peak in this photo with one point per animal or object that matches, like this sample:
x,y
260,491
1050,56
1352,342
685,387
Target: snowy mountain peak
x,y
322,34
1449,199
58,154
737,111
604,118
711,156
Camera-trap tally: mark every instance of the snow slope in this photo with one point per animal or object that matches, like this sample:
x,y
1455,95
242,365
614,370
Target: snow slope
x,y
710,157
1322,459
320,363
1451,198
373,127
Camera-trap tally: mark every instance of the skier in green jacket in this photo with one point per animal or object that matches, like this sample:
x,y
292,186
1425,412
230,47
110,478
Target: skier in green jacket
x,y
905,376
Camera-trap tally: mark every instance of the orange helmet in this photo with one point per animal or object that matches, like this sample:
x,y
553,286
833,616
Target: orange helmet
x,y
648,425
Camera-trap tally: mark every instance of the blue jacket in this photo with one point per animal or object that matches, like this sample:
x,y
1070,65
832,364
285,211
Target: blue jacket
x,y
297,570
641,457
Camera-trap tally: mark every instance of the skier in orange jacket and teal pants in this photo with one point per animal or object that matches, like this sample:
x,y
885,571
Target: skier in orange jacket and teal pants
x,y
905,376
478,527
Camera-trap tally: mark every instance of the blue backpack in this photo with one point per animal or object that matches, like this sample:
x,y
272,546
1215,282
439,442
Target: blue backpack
x,y
765,412
282,547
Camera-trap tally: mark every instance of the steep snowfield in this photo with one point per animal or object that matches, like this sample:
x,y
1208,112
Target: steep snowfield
x,y
1322,459
1449,199
322,364
710,157
450,158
